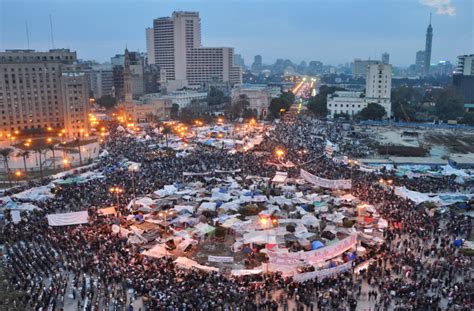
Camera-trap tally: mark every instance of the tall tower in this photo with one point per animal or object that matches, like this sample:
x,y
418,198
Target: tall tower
x,y
127,78
429,40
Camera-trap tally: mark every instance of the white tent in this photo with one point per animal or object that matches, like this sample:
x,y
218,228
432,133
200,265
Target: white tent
x,y
186,263
156,251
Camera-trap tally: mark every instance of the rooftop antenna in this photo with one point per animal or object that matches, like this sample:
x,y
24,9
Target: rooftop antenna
x,y
430,17
51,28
27,35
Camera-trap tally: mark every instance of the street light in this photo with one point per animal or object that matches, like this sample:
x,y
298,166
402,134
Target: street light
x,y
165,214
280,153
117,191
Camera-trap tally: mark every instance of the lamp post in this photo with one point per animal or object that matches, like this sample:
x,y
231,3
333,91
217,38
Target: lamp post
x,y
164,215
117,191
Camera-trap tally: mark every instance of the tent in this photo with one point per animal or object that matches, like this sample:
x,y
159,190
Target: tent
x,y
316,245
186,263
157,251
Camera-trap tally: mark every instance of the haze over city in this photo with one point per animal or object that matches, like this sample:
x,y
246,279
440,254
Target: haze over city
x,y
236,155
298,30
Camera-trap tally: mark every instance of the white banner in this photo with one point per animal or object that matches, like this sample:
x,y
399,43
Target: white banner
x,y
230,172
195,174
220,259
315,256
321,274
326,183
65,219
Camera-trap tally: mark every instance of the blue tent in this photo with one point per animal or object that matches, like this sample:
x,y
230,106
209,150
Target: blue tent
x,y
458,243
316,245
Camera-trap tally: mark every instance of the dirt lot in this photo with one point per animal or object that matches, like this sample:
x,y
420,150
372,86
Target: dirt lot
x,y
456,142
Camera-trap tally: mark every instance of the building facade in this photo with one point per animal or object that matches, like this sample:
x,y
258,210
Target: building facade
x,y
40,90
150,46
101,80
386,58
378,86
258,96
178,52
463,78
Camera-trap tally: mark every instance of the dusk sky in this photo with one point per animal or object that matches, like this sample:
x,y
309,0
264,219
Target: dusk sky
x,y
332,31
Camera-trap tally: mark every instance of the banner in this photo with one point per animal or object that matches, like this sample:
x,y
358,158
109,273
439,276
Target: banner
x,y
322,274
106,211
220,259
326,183
229,172
65,219
315,256
195,174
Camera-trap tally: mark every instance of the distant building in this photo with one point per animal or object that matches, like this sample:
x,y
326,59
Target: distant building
x,y
150,46
185,63
101,80
258,96
315,68
146,109
465,65
136,63
359,67
386,58
43,89
463,78
444,68
420,61
117,60
239,61
257,64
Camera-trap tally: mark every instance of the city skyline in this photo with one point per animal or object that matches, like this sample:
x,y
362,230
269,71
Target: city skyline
x,y
250,27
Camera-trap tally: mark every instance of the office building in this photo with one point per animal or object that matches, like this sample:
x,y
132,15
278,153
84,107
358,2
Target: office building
x,y
40,90
345,102
239,61
359,67
385,58
257,64
101,80
150,46
465,65
463,78
136,63
420,62
428,44
178,52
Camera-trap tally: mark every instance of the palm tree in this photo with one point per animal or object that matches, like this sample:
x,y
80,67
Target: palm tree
x,y
51,147
39,150
25,154
167,130
6,153
77,140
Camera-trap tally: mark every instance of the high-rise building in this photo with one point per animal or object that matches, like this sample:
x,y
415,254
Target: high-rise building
x,y
150,46
39,90
257,64
239,61
378,85
101,80
463,78
136,62
386,58
359,68
428,43
178,52
420,60
465,65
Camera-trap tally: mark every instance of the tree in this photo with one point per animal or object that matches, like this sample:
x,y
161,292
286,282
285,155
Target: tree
x,y
25,154
166,131
106,101
215,96
373,111
39,150
318,103
174,111
51,147
6,154
449,105
275,105
468,118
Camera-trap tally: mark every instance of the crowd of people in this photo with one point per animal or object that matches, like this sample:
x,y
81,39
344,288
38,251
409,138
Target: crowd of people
x,y
417,267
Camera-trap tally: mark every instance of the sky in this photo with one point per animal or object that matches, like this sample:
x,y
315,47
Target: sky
x,y
332,31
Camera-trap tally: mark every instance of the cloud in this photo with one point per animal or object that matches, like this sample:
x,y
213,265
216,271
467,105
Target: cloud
x,y
442,7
